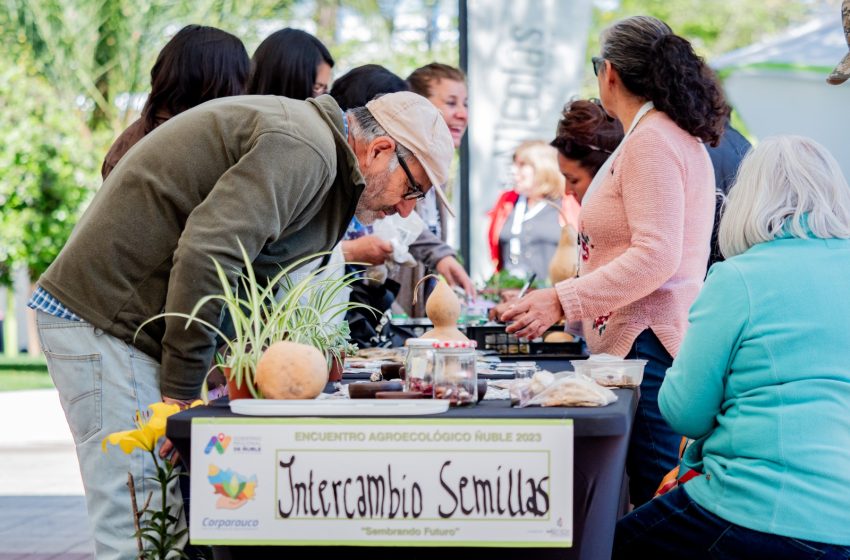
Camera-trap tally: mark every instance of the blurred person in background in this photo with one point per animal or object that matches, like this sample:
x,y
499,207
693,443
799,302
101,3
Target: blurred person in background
x,y
586,136
445,87
645,224
291,63
762,381
524,224
354,89
198,64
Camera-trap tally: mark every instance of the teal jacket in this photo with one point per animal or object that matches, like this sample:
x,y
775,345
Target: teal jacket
x,y
762,382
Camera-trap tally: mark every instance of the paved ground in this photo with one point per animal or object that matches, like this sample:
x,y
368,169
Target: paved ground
x,y
42,511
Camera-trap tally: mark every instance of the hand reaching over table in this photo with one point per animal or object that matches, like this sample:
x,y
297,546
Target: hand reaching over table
x,y
369,249
167,447
455,275
534,313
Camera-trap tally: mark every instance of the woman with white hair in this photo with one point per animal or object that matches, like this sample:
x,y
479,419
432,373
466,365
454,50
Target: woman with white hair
x,y
762,379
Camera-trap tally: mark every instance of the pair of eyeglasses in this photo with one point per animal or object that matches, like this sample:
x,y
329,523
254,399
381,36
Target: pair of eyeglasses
x,y
597,62
414,189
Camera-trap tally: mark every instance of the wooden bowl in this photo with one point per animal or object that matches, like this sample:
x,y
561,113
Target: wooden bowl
x,y
368,390
482,389
391,370
398,395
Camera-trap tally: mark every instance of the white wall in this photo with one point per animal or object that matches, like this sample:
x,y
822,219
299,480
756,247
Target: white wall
x,y
774,102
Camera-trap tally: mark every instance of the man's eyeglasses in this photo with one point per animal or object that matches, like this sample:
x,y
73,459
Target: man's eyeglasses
x,y
415,190
597,62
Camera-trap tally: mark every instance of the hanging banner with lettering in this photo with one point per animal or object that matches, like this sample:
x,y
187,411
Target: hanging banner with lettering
x,y
525,60
374,482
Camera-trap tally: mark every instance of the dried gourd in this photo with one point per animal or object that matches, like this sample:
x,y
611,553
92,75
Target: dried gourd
x,y
289,370
564,263
443,308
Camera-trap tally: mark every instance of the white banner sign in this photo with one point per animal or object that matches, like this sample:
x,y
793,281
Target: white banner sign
x,y
368,482
525,61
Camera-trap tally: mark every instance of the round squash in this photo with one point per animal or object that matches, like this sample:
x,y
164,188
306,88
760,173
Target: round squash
x,y
559,336
289,370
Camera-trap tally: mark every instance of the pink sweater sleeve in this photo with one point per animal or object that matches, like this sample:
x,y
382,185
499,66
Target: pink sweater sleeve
x,y
649,175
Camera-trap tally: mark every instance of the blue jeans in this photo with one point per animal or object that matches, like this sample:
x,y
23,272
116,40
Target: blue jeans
x,y
102,381
674,526
653,447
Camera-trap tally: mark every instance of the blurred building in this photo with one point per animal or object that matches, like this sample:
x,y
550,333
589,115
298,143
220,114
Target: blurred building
x,y
778,86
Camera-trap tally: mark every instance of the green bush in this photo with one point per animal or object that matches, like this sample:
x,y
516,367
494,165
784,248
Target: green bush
x,y
48,170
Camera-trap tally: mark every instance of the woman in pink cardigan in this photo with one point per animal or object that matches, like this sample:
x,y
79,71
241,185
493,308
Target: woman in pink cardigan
x,y
645,224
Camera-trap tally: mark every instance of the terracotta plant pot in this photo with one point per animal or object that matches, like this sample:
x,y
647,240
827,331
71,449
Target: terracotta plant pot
x,y
234,392
335,370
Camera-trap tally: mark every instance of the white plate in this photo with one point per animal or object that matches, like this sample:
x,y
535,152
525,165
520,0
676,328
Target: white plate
x,y
364,407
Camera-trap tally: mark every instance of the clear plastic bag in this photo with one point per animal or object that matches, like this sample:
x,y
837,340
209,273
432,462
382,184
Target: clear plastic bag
x,y
401,233
566,389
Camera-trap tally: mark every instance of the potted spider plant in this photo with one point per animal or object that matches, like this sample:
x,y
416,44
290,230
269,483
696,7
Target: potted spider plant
x,y
325,295
297,304
338,345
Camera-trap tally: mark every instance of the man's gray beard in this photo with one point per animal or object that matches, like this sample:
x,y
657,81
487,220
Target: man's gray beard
x,y
375,186
364,216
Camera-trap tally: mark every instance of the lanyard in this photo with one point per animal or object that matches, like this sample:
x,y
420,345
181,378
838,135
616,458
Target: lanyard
x,y
522,213
606,167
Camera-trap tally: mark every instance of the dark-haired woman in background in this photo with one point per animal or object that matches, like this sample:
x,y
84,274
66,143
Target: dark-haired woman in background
x,y
586,136
361,84
198,64
645,224
353,89
291,63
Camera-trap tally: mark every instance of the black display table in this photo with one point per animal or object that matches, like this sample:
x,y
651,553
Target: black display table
x,y
600,446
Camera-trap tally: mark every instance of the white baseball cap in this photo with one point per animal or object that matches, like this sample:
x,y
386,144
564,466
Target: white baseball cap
x,y
415,123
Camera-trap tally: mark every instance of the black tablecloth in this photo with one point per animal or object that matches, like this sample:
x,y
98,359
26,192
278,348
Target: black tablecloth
x,y
600,445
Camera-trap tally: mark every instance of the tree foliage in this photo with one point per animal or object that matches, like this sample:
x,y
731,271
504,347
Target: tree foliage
x,y
713,27
101,49
90,59
47,170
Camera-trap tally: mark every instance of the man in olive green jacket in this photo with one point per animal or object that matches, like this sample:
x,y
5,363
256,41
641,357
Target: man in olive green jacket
x,y
281,176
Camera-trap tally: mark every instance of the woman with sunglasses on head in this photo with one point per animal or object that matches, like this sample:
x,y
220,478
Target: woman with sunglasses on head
x,y
291,63
586,136
645,224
